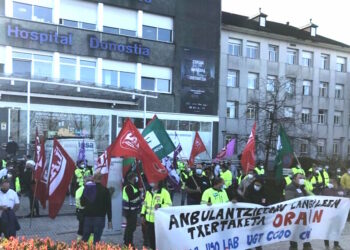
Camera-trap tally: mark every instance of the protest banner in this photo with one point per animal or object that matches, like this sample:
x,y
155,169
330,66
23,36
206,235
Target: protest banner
x,y
244,225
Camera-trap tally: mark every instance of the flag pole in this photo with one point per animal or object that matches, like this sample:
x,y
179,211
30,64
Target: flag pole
x,y
32,208
295,155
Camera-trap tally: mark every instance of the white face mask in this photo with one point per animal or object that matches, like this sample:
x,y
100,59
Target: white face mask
x,y
262,167
152,185
301,182
199,171
136,179
250,176
223,187
330,185
257,188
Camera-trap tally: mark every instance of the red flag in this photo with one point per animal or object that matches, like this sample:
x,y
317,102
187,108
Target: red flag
x,y
130,143
248,154
197,148
61,173
41,185
103,163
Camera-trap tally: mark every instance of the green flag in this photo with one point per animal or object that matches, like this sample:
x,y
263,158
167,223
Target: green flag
x,y
284,156
158,139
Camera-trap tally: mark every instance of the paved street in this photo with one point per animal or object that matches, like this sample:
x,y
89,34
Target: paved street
x,y
64,227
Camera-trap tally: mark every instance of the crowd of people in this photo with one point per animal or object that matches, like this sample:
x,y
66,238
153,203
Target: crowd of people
x,y
203,183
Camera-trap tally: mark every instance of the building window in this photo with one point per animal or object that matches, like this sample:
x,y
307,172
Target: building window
x,y
110,77
290,86
341,64
307,58
127,80
78,24
321,150
32,12
154,84
87,71
273,53
288,112
336,147
324,61
323,89
252,50
25,64
337,117
253,81
271,83
339,91
322,116
154,33
232,110
305,116
233,78
251,112
306,88
304,147
118,31
292,56
68,68
235,47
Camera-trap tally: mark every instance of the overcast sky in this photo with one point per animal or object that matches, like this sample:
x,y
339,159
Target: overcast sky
x,y
332,17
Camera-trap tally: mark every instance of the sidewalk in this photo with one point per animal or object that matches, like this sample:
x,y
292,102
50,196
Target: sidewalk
x,y
64,228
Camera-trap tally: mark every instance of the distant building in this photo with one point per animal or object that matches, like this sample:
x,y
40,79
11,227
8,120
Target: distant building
x,y
255,52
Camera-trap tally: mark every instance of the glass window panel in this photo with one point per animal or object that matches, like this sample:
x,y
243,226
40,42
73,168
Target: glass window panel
x,y
184,125
127,32
194,126
21,55
127,80
21,67
110,30
43,57
164,35
42,14
87,74
2,7
23,11
147,83
88,26
87,63
205,126
70,23
68,60
149,32
172,125
67,72
163,85
110,77
42,69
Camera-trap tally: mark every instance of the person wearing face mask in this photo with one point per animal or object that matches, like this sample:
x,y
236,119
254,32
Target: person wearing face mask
x,y
9,204
245,183
215,194
185,174
316,179
196,185
345,182
155,198
294,190
131,206
339,175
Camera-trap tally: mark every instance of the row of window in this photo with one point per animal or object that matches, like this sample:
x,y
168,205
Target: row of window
x,y
125,24
288,84
172,124
83,70
252,50
232,111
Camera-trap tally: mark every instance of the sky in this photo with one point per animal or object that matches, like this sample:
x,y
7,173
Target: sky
x,y
332,17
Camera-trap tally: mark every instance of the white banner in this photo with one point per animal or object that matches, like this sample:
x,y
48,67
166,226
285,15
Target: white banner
x,y
244,225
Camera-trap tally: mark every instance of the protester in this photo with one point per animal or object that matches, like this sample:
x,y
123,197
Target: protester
x,y
155,198
11,147
294,190
131,207
96,201
185,173
29,188
247,180
215,194
79,208
298,170
196,185
333,189
345,182
9,204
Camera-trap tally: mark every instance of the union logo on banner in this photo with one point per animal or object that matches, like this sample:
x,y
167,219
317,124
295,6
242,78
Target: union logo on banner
x,y
129,141
57,170
159,169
